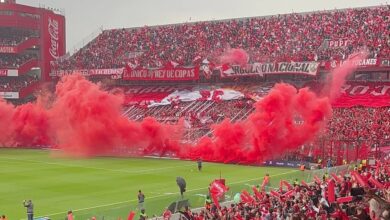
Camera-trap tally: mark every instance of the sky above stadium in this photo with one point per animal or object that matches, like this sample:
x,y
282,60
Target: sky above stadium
x,y
86,17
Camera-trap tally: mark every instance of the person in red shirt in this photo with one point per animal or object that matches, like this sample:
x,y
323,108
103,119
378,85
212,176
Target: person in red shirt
x,y
70,215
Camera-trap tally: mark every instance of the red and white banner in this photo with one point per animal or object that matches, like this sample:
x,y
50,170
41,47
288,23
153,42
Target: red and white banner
x,y
9,95
364,63
85,72
199,94
8,72
364,94
309,68
7,49
352,94
167,74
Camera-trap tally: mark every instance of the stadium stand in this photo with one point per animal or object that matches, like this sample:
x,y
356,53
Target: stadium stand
x,y
14,84
12,37
14,61
316,36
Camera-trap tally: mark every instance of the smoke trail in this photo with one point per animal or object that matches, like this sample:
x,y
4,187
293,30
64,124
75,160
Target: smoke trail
x,y
337,78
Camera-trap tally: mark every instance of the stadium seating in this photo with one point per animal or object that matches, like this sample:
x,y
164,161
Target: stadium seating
x,y
12,37
15,84
15,61
291,37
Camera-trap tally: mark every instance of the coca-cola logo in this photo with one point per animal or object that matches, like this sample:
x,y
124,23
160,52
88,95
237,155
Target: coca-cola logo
x,y
53,28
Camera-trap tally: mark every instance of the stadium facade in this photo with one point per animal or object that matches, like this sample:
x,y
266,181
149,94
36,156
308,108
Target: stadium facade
x,y
31,38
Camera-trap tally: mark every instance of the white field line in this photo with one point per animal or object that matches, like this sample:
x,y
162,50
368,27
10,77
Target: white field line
x,y
98,168
158,196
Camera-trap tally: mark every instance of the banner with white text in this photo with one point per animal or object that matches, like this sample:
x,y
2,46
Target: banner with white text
x,y
308,68
163,74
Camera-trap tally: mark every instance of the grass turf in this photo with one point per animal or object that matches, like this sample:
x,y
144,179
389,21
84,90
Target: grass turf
x,y
108,186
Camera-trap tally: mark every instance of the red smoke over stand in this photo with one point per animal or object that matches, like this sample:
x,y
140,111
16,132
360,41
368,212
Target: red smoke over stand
x,y
84,120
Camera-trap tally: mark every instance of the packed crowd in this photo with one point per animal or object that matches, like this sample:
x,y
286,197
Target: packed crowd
x,y
360,123
15,84
290,37
353,199
12,37
15,61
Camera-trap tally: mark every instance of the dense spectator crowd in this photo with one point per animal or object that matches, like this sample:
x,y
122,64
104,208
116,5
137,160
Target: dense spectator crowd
x,y
15,60
312,201
15,84
12,37
359,123
290,37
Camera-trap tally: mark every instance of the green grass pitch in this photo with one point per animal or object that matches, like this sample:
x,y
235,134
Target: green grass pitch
x,y
108,187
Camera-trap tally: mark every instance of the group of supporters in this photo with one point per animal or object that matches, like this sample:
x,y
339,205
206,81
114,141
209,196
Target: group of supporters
x,y
12,37
360,123
289,37
362,195
12,61
15,84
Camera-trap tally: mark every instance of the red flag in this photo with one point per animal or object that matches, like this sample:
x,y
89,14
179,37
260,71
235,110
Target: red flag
x,y
376,183
304,183
257,193
344,199
359,179
276,194
289,193
284,182
317,180
331,192
131,215
246,197
336,178
217,189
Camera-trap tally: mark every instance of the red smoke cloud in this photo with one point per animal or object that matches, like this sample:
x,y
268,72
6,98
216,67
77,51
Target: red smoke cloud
x,y
83,120
235,56
283,120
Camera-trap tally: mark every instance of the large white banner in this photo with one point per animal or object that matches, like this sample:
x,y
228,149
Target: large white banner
x,y
308,68
9,95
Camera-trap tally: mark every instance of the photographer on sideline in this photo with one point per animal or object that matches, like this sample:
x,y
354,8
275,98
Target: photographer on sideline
x,y
30,209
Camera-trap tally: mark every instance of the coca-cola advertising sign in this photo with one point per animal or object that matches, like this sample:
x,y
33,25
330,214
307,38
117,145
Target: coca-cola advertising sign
x,y
53,32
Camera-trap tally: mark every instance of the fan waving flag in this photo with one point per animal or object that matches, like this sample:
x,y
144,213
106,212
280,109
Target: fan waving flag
x,y
217,189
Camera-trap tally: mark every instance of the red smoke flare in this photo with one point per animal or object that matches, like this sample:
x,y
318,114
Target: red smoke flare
x,y
283,120
235,56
